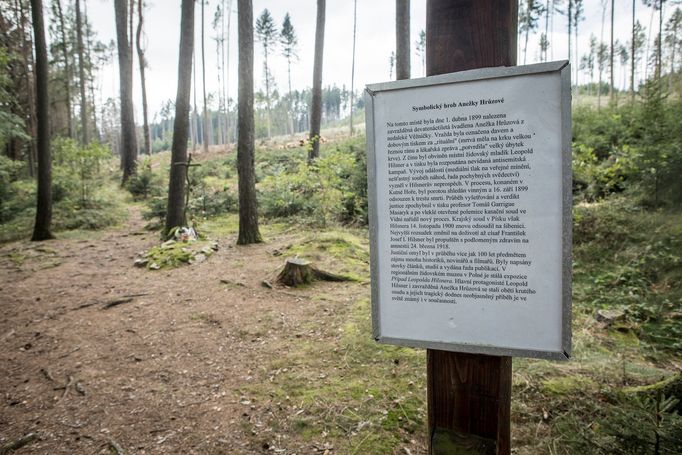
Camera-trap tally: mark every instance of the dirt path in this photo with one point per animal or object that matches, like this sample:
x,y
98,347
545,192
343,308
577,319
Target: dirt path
x,y
164,370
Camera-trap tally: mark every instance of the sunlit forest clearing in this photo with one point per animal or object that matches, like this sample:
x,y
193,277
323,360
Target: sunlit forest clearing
x,y
149,324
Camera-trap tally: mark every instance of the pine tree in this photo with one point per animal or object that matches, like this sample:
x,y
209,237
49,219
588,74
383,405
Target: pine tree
x,y
267,34
143,65
391,64
531,11
175,213
289,43
58,12
420,48
43,221
352,75
248,208
125,69
206,124
85,136
316,104
402,38
673,42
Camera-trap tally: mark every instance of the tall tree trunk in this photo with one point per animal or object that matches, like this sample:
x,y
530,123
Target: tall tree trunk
x,y
125,70
316,105
226,78
632,54
402,39
570,23
527,20
673,48
143,64
612,90
576,23
352,73
547,10
29,72
659,51
219,63
67,66
203,78
175,213
91,78
195,115
648,42
248,208
85,136
41,229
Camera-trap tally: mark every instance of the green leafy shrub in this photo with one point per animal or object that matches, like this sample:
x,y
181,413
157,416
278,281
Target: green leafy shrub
x,y
14,196
145,183
625,424
206,202
316,191
82,162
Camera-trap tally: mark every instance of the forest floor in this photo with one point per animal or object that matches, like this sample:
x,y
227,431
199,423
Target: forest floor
x,y
176,365
100,356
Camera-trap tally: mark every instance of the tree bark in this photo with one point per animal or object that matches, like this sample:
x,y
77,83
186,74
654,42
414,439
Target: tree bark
x,y
125,71
205,130
29,72
632,54
67,66
570,24
41,229
659,52
248,208
91,78
612,92
85,136
316,105
175,213
402,39
352,74
143,64
226,77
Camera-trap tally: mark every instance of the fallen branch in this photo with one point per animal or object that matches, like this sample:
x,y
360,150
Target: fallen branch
x,y
116,302
65,387
18,444
110,303
77,348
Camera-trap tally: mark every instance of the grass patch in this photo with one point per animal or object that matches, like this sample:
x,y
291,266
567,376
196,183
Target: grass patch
x,y
367,398
346,251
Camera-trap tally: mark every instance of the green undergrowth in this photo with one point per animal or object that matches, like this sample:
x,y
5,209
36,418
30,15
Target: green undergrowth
x,y
345,251
345,388
628,260
368,398
228,225
105,207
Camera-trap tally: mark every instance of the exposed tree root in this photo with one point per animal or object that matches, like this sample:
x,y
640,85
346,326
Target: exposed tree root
x,y
18,443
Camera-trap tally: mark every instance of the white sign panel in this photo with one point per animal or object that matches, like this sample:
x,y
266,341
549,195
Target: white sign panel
x,y
470,211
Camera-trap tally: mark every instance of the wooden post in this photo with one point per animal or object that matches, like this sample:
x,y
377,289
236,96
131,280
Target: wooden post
x,y
469,395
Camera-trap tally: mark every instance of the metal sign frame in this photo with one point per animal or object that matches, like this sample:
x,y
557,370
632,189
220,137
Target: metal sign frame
x,y
563,69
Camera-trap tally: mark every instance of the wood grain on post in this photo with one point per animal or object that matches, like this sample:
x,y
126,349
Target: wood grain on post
x,y
469,395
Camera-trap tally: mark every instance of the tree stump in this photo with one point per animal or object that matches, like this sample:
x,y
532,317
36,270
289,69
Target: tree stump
x,y
298,271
